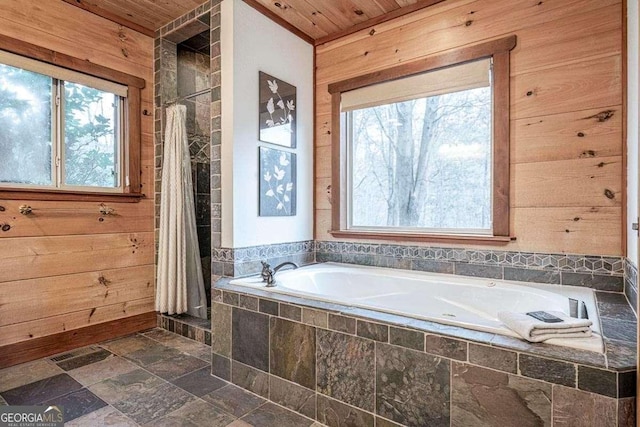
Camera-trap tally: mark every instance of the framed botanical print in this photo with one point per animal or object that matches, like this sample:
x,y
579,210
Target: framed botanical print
x,y
277,182
277,116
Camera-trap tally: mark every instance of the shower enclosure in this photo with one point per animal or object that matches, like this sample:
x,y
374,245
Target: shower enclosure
x,y
182,72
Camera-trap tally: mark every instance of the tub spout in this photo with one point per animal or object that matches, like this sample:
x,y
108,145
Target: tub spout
x,y
284,264
269,275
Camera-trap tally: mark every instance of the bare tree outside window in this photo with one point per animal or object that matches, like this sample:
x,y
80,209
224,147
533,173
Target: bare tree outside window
x,y
423,163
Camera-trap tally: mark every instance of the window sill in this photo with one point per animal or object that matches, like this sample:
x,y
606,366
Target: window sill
x,y
417,237
78,196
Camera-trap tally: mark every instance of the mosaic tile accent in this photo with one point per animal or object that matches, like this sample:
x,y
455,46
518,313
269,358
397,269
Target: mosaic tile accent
x,y
234,262
598,272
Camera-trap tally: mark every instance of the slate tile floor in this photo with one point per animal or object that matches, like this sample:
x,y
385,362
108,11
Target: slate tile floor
x,y
155,378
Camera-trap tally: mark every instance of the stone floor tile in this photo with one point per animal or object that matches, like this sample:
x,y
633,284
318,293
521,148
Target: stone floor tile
x,y
199,382
195,414
77,403
27,373
104,369
177,366
271,415
85,359
239,423
104,417
39,391
150,404
178,342
234,400
129,344
122,386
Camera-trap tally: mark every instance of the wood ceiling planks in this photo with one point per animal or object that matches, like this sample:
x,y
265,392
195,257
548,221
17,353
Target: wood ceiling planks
x,y
144,16
315,21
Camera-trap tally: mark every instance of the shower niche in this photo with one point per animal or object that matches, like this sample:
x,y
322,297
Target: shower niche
x,y
183,66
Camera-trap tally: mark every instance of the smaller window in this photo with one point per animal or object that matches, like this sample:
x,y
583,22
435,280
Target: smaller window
x,y
70,129
420,151
60,129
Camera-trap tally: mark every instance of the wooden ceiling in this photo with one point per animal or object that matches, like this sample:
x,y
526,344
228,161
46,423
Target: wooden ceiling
x,y
144,16
323,20
317,21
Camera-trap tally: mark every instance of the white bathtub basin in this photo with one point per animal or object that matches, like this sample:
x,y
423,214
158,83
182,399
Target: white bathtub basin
x,y
472,303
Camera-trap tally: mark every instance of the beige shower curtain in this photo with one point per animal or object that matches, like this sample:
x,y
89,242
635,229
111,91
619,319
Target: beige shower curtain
x,y
179,277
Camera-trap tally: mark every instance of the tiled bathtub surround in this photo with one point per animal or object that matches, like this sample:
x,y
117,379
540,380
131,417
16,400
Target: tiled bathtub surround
x,y
246,261
598,272
358,367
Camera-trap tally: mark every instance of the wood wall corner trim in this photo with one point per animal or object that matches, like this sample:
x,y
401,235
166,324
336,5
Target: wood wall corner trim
x,y
134,119
37,348
501,143
96,10
279,20
336,165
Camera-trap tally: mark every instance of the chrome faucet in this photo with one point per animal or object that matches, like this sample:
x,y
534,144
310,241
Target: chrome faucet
x,y
266,270
268,275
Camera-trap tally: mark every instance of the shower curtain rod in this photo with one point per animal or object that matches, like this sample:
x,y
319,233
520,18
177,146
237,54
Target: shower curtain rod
x,y
182,98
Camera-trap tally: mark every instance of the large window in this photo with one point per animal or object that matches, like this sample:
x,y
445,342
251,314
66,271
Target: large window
x,y
57,133
70,129
425,159
424,152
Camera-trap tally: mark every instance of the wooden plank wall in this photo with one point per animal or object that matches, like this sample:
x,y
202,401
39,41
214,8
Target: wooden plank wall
x,y
566,109
62,268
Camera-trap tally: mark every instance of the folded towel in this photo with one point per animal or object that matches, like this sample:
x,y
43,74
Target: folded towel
x,y
534,330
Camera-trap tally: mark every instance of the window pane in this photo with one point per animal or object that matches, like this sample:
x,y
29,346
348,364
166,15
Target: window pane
x,y
423,163
90,136
25,127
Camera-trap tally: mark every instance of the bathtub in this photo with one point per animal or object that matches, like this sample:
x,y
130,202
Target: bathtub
x,y
472,303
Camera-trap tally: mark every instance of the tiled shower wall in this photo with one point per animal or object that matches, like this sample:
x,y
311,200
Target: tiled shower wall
x,y
193,77
181,71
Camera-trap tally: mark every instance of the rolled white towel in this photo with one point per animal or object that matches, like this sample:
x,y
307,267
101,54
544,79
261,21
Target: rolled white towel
x,y
534,330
